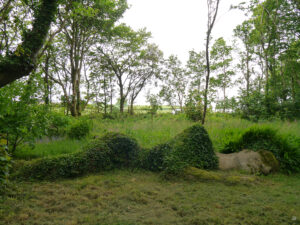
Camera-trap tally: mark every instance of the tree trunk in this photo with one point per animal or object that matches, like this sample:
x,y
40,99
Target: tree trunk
x,y
122,102
17,65
73,107
207,79
131,107
247,74
224,99
212,14
46,80
78,98
122,98
111,94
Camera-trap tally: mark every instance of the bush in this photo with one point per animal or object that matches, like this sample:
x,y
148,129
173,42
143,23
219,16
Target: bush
x,y
5,165
124,151
153,159
285,149
193,107
193,113
57,124
79,129
98,155
192,147
64,166
109,116
94,158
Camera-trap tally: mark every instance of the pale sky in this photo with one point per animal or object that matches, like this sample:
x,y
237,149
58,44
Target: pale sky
x,y
179,26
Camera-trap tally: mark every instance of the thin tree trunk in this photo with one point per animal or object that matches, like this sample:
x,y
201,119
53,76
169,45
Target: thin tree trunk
x,y
46,80
131,106
207,78
210,24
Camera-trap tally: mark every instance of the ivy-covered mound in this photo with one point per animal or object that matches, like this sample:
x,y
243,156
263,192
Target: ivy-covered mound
x,y
286,149
124,151
113,150
191,148
95,158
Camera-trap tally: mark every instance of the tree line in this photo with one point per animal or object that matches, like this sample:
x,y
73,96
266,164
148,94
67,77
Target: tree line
x,y
77,53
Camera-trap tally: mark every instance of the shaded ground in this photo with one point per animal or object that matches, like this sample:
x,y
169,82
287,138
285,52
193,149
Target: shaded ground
x,y
124,197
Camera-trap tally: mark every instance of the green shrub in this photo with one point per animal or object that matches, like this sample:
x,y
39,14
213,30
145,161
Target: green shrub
x,y
79,129
109,116
64,166
95,157
98,155
285,149
124,151
193,113
192,147
153,159
5,165
57,124
193,107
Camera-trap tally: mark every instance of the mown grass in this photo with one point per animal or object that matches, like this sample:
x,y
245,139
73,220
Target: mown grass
x,y
139,197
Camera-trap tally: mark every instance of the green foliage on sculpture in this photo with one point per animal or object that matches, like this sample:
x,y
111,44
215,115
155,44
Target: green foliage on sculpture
x,y
124,150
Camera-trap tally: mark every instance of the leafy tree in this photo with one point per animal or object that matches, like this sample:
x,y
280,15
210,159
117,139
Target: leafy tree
x,y
175,80
148,68
102,85
243,32
82,26
196,68
22,119
270,33
222,58
193,106
126,54
155,103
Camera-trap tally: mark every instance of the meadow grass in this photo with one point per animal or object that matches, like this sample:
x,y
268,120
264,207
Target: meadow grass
x,y
162,128
49,148
141,197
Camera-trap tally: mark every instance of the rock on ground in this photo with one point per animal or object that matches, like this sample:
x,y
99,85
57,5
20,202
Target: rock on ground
x,y
250,161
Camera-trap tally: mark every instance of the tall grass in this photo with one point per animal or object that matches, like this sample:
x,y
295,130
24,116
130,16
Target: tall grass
x,y
51,148
153,131
148,132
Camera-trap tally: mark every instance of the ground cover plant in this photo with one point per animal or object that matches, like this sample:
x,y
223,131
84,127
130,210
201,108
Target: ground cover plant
x,y
140,197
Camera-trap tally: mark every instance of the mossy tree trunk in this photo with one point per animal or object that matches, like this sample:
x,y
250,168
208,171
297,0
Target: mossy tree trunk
x,y
22,61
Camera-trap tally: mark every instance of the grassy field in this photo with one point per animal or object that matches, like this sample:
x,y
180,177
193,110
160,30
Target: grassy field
x,y
150,132
126,197
141,197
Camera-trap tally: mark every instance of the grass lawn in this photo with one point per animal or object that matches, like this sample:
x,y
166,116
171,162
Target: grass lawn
x,y
126,197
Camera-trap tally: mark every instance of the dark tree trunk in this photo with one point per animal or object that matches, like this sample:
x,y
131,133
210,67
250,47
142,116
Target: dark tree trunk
x,y
131,107
15,65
